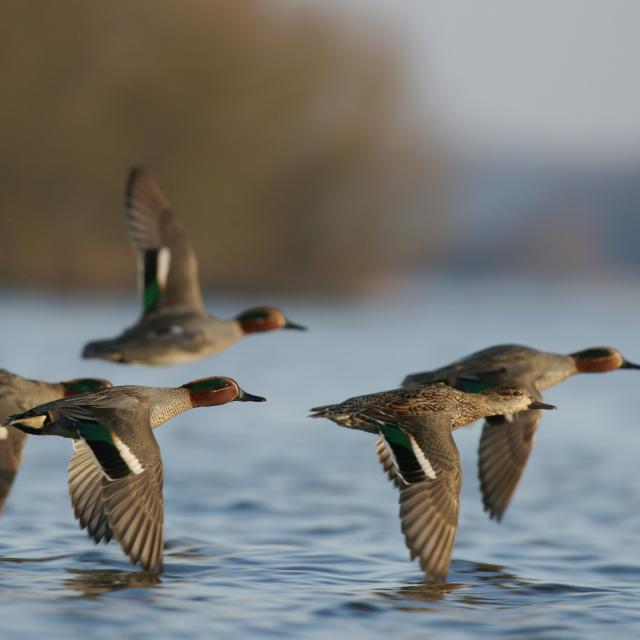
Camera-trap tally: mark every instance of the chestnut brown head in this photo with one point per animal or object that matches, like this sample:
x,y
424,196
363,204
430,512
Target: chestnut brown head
x,y
601,360
208,392
265,319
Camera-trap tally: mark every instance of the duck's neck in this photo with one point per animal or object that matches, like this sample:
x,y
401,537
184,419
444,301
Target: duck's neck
x,y
168,403
556,368
470,409
41,392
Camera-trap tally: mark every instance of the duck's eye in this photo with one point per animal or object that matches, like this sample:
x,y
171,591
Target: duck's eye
x,y
511,393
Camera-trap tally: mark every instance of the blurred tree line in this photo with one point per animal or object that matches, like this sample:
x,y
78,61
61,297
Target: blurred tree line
x,y
279,135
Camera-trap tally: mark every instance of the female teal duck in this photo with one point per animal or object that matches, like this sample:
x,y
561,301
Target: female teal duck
x,y
506,441
115,474
174,327
417,450
18,394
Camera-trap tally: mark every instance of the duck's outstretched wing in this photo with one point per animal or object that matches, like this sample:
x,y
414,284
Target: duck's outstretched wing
x,y
168,269
131,494
135,509
419,455
85,479
505,446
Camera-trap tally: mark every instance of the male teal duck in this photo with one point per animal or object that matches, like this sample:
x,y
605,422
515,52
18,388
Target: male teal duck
x,y
174,327
507,440
18,394
115,474
417,450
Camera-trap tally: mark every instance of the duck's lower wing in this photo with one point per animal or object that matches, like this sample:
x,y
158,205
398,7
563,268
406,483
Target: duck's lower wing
x,y
131,482
85,488
505,446
387,460
12,443
135,509
425,468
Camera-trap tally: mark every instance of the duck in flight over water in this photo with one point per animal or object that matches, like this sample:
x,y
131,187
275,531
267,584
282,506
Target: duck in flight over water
x,y
417,451
115,475
174,327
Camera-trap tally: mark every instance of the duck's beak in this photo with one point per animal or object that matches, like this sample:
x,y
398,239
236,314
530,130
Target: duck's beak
x,y
541,405
293,325
243,396
104,350
629,365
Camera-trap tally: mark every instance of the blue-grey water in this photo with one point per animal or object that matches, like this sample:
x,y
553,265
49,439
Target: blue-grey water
x,y
278,526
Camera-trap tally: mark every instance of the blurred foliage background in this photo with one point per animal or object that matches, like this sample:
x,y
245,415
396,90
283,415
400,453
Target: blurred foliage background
x,y
279,136
323,146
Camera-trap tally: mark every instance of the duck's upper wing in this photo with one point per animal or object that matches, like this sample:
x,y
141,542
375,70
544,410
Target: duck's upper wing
x,y
419,455
168,269
115,475
486,366
66,411
505,445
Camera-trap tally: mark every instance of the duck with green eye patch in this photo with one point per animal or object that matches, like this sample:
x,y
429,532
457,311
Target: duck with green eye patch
x,y
115,474
174,327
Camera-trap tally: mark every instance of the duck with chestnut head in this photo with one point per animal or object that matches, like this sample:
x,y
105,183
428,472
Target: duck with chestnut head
x,y
417,451
506,441
174,327
115,473
18,394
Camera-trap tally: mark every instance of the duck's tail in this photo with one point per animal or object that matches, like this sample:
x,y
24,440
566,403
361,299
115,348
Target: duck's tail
x,y
31,421
326,411
104,350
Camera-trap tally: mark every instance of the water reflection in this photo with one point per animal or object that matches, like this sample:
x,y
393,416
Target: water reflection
x,y
492,574
91,583
483,586
425,591
9,560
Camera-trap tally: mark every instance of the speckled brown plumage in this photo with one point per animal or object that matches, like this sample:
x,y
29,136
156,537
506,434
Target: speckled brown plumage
x,y
417,451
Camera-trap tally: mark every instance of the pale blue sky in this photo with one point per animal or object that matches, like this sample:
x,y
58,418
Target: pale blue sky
x,y
551,77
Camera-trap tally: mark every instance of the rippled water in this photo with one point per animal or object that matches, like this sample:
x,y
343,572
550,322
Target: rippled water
x,y
278,526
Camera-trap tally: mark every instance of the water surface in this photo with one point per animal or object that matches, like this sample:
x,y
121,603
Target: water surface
x,y
278,526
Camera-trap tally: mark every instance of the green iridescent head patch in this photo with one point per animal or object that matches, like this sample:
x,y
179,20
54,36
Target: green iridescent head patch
x,y
208,384
255,315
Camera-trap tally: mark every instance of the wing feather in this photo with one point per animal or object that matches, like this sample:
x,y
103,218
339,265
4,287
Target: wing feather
x,y
167,263
135,510
85,488
429,501
503,452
